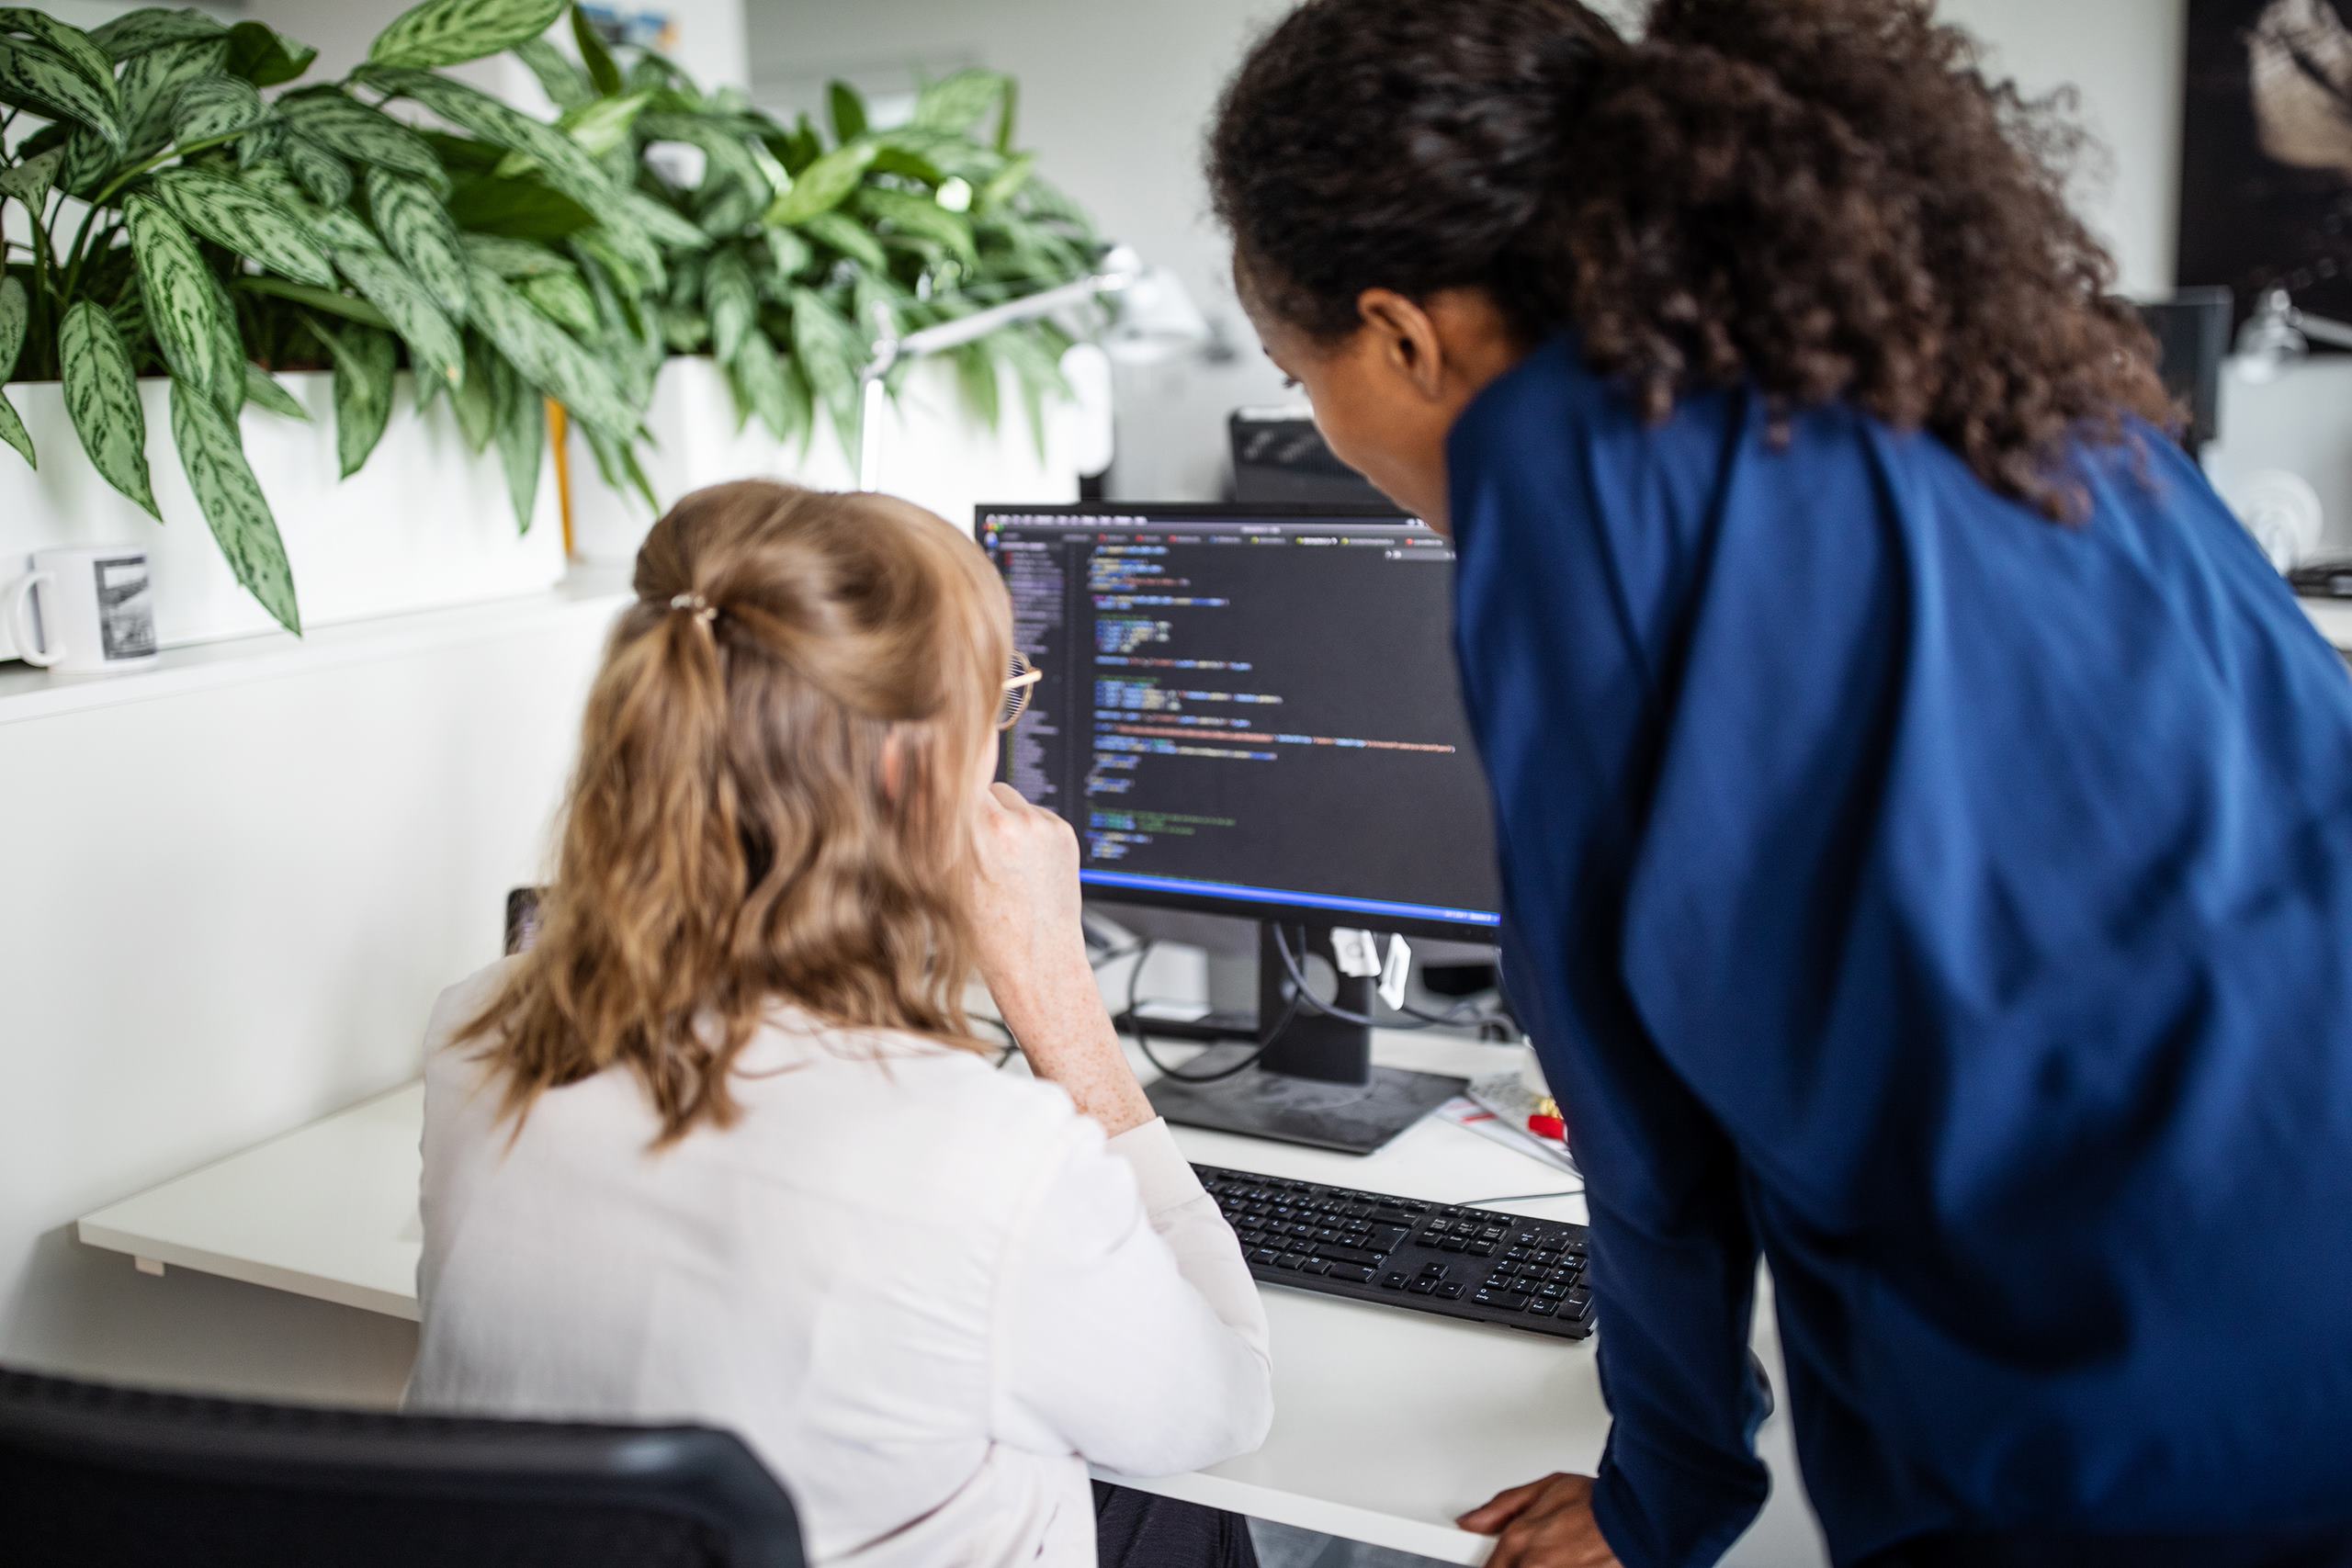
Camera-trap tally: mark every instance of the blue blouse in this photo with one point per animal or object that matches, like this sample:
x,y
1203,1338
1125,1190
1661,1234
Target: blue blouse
x,y
1952,907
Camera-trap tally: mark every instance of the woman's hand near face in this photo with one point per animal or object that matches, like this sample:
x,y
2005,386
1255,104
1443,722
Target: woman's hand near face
x,y
1032,953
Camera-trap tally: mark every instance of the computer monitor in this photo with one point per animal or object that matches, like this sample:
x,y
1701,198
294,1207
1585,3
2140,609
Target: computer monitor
x,y
1252,710
2192,334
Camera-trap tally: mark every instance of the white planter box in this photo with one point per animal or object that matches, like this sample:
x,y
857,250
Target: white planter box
x,y
425,524
935,452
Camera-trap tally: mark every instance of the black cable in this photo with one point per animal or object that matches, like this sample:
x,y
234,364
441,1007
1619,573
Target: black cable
x,y
1455,1015
1143,1041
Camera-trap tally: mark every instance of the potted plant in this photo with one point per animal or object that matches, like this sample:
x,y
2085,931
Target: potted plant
x,y
748,344
188,240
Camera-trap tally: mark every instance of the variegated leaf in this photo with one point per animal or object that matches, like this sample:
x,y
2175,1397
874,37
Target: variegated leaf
x,y
563,162
365,361
521,417
550,358
957,103
512,258
823,185
450,32
734,304
264,390
228,353
150,86
102,397
210,107
182,304
324,178
35,74
232,503
566,84
665,226
69,41
474,404
366,136
151,26
433,340
417,228
16,310
249,223
563,299
13,431
31,180
847,235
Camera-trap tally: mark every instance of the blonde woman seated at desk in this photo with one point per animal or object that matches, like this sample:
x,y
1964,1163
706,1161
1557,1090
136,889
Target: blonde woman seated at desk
x,y
721,1147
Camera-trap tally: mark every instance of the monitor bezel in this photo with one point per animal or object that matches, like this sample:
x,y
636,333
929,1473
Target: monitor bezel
x,y
1274,909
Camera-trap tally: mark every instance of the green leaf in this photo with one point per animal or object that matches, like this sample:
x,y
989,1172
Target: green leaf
x,y
150,86
788,255
327,300
602,74
29,181
450,33
563,162
1040,373
151,26
102,397
1006,183
733,304
182,303
417,227
365,361
512,258
757,373
324,178
823,185
368,137
228,353
566,84
921,218
976,374
729,156
848,236
957,103
602,124
830,352
240,217
13,431
264,389
16,310
232,504
659,222
210,107
848,110
1005,120
685,331
521,209
93,62
434,342
550,358
259,55
474,400
36,77
563,299
521,417
264,143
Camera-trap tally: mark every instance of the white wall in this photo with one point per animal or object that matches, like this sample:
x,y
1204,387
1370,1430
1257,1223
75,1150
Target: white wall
x,y
226,913
1116,94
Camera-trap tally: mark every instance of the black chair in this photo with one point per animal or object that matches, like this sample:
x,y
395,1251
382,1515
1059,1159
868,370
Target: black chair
x,y
98,1477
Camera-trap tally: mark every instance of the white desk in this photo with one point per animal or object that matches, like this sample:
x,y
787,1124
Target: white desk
x,y
1388,1424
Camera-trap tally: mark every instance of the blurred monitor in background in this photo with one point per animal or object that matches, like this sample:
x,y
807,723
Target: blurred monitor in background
x,y
2192,332
1279,455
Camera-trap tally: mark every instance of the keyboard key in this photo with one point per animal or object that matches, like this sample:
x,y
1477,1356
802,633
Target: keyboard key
x,y
1509,1300
1349,1271
1393,1280
1316,1265
1543,1309
1264,1255
1424,1286
1450,1292
1453,1244
1553,1293
1290,1260
1482,1249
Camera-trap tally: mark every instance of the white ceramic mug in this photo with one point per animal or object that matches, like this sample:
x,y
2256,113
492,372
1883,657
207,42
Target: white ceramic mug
x,y
84,610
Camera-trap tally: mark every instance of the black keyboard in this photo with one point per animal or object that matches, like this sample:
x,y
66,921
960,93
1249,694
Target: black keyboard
x,y
1475,1264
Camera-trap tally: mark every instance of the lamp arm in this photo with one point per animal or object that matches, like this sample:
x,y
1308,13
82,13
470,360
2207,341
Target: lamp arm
x,y
2325,331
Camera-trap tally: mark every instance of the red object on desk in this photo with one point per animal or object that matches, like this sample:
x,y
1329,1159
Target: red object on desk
x,y
1546,1122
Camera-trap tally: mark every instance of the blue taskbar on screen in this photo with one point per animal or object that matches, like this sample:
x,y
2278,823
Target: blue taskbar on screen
x,y
1283,896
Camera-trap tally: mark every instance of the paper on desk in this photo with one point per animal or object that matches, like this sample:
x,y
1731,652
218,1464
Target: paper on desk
x,y
1464,1110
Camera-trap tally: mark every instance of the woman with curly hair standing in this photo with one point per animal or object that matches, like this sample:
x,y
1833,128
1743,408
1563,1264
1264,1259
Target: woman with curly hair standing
x,y
1926,819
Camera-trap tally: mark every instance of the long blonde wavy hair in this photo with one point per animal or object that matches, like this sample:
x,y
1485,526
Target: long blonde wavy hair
x,y
771,802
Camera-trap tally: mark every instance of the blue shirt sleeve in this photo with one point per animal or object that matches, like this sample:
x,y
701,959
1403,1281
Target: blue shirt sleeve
x,y
1558,685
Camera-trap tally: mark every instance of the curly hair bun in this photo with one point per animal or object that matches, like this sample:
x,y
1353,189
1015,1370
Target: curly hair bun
x,y
1824,199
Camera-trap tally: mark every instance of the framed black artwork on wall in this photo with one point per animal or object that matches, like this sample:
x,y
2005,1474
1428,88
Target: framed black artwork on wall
x,y
2266,168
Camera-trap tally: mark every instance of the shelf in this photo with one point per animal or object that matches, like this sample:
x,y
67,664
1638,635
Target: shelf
x,y
587,594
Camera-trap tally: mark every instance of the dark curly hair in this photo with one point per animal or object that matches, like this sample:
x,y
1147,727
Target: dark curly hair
x,y
1826,199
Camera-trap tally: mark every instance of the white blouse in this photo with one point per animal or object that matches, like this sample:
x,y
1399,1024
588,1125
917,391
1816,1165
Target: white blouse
x,y
926,1292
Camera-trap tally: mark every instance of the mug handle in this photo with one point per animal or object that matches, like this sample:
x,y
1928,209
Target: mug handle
x,y
20,599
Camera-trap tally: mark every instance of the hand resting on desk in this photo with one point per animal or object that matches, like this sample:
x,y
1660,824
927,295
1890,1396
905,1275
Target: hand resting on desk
x,y
1545,1524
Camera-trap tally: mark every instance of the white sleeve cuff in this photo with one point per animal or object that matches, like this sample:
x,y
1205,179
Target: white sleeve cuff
x,y
1163,1176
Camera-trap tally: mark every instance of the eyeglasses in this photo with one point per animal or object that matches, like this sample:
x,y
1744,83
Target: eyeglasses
x,y
1017,687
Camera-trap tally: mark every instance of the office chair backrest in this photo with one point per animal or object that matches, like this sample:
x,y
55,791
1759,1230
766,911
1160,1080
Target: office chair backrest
x,y
98,1477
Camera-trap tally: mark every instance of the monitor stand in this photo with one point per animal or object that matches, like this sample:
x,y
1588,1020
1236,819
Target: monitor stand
x,y
1312,1082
